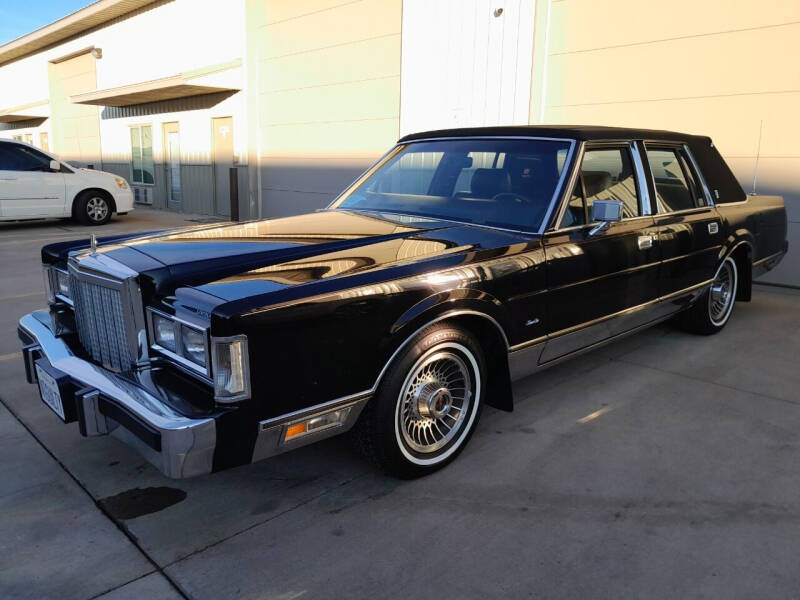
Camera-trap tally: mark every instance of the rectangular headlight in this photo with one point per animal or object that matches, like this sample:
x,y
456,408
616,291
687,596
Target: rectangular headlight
x,y
187,344
231,367
62,283
193,345
164,332
56,282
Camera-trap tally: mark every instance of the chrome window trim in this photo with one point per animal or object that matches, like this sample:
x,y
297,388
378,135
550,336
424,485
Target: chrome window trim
x,y
178,356
573,179
697,173
645,205
557,193
639,175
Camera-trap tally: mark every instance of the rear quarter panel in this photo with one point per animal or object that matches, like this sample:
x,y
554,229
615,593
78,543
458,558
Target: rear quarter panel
x,y
761,220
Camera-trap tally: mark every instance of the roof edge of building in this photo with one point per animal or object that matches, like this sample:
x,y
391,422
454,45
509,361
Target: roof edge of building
x,y
91,16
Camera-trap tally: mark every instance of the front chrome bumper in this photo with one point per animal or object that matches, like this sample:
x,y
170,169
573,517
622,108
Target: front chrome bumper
x,y
109,403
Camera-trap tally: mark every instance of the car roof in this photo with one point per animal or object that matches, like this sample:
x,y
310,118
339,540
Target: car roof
x,y
575,132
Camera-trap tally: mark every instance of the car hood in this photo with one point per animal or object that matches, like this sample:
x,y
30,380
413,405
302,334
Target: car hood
x,y
311,251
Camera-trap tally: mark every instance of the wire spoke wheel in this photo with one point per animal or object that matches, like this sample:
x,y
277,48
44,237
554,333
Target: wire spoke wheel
x,y
721,294
435,401
97,208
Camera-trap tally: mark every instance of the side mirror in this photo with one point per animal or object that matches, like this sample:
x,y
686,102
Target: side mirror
x,y
55,165
605,212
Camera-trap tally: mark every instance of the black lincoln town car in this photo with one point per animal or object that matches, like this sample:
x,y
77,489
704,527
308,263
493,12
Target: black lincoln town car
x,y
463,260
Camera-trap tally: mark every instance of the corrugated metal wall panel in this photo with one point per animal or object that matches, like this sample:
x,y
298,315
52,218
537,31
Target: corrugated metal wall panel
x,y
198,189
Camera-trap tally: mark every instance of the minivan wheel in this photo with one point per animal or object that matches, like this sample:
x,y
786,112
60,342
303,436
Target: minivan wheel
x,y
713,310
427,405
92,208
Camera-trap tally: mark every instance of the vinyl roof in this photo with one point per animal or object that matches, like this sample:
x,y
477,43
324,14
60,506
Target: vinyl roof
x,y
575,132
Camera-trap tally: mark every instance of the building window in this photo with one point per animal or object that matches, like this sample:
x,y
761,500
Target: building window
x,y
44,144
142,154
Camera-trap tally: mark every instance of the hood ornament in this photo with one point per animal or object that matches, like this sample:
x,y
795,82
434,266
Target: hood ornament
x,y
93,244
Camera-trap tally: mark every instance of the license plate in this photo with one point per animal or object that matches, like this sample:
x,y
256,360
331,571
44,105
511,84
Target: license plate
x,y
51,394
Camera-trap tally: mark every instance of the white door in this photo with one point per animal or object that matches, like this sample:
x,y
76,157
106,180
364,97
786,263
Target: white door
x,y
465,63
28,188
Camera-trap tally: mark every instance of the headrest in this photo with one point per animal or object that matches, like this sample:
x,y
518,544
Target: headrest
x,y
596,181
487,183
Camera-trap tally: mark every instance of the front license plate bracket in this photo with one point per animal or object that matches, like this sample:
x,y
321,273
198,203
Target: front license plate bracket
x,y
56,390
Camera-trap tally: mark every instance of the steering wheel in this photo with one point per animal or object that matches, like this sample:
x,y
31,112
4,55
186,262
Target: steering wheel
x,y
509,197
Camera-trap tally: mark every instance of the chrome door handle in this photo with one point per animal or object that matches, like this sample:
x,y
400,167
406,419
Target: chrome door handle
x,y
645,242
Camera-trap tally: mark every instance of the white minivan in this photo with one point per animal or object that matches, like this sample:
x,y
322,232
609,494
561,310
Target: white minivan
x,y
35,185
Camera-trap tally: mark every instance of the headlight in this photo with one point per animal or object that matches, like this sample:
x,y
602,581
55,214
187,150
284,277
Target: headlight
x,y
62,283
231,368
121,183
193,343
183,342
56,282
164,332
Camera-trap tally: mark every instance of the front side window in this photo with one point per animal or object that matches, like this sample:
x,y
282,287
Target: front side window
x,y
607,174
142,154
675,186
22,158
501,183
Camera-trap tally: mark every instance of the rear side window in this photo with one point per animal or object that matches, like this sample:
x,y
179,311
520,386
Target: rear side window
x,y
607,174
676,188
22,158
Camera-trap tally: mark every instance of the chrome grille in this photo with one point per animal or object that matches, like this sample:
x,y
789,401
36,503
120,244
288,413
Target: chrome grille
x,y
100,318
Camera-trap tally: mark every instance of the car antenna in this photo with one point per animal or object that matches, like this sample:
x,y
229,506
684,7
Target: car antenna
x,y
758,153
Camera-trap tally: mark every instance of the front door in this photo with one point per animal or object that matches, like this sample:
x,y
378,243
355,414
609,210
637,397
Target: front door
x,y
172,164
222,150
689,230
28,188
591,278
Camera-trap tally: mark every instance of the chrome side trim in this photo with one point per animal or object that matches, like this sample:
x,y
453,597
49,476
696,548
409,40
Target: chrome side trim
x,y
572,340
766,259
187,445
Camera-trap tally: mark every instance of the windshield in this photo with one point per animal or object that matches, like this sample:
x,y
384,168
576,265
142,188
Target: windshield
x,y
496,182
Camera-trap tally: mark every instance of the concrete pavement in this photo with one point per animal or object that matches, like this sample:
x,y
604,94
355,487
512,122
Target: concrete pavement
x,y
665,465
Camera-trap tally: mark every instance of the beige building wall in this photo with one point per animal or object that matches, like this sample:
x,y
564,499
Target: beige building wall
x,y
324,84
723,68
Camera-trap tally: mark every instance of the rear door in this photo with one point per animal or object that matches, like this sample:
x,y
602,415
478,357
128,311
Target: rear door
x,y
28,188
689,228
594,277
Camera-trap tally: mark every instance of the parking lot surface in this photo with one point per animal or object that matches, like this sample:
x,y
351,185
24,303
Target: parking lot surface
x,y
664,465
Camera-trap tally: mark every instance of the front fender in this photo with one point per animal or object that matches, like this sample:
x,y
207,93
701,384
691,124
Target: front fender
x,y
482,314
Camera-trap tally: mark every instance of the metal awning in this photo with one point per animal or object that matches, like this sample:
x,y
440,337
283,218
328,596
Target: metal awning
x,y
26,112
183,85
168,88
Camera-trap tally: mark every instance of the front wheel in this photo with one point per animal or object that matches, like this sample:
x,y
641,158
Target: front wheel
x,y
92,208
712,311
427,405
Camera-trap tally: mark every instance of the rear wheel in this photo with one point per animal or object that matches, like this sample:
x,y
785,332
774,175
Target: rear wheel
x,y
427,405
713,310
93,208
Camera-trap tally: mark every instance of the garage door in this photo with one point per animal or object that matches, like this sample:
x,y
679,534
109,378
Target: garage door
x,y
465,63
